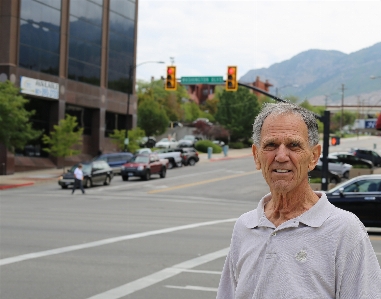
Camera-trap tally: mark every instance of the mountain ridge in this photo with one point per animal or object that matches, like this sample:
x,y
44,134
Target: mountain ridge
x,y
320,74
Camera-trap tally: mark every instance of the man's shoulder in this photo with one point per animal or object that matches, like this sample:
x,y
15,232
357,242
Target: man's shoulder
x,y
248,219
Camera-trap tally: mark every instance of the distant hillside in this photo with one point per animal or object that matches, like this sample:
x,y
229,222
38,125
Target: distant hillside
x,y
321,72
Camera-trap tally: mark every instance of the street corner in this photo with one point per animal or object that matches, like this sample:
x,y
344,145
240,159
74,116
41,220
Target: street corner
x,y
15,185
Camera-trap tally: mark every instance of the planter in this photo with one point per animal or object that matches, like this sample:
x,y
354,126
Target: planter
x,y
354,172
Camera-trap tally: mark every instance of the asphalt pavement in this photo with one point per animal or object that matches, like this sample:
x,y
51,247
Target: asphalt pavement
x,y
30,178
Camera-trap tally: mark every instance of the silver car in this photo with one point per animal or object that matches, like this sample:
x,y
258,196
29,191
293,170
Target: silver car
x,y
336,166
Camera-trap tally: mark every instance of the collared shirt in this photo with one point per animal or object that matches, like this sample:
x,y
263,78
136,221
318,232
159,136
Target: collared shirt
x,y
78,174
324,253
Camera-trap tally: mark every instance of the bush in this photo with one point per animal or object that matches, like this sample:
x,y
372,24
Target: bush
x,y
236,145
202,146
315,180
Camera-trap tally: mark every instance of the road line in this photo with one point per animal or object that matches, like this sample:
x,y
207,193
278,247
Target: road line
x,y
378,253
202,182
193,288
39,254
204,272
156,277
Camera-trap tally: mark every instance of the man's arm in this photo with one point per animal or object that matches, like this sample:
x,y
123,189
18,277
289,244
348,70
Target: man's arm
x,y
228,283
359,273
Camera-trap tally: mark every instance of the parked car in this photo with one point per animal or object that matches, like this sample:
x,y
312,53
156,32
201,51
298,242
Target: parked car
x,y
205,120
317,172
145,150
144,166
115,160
94,173
352,160
147,141
189,155
336,166
167,143
188,141
174,124
361,196
174,158
219,142
368,155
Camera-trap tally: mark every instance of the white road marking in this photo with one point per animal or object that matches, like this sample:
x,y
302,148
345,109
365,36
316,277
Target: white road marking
x,y
39,254
193,288
204,272
378,253
154,278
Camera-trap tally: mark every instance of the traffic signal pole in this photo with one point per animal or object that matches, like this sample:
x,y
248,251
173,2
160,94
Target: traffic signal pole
x,y
325,119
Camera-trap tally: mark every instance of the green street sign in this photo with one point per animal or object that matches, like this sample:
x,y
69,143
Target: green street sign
x,y
201,80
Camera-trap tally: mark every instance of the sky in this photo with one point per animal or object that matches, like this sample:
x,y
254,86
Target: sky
x,y
204,37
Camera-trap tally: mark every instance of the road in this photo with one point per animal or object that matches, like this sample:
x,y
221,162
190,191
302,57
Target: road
x,y
165,238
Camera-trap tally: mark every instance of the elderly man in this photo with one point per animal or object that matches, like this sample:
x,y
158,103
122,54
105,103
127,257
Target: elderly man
x,y
296,244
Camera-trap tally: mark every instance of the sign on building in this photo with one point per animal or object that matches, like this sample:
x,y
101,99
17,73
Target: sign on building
x,y
39,88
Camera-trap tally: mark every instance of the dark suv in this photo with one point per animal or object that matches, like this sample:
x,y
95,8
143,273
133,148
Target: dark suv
x,y
189,155
115,160
368,155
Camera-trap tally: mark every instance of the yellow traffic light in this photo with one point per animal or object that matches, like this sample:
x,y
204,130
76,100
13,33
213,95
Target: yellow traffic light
x,y
231,81
170,81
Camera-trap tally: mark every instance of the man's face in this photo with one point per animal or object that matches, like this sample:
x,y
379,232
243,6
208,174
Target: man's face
x,y
284,154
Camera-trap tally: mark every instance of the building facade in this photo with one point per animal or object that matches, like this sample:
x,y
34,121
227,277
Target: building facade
x,y
71,57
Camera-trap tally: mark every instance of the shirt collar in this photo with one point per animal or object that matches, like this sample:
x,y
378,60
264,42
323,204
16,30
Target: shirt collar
x,y
314,217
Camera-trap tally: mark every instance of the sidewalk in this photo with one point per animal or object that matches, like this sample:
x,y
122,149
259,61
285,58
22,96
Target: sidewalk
x,y
29,178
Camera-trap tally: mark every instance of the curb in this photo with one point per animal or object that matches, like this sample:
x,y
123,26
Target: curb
x,y
229,158
15,186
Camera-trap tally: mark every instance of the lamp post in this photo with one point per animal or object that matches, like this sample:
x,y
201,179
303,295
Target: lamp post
x,y
130,91
284,86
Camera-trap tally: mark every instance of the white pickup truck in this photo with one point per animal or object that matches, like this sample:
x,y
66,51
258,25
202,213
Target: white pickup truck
x,y
174,158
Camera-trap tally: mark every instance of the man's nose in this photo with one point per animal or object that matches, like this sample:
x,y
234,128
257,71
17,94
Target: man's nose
x,y
282,154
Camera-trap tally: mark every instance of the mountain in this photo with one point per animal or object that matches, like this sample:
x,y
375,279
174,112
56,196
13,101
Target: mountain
x,y
319,74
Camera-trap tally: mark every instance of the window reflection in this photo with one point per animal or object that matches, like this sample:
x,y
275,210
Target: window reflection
x,y
85,41
121,44
40,35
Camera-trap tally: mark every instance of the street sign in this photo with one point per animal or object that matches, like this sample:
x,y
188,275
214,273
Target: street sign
x,y
201,80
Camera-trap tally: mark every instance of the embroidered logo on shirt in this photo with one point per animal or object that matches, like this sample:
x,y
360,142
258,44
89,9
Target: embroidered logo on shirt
x,y
301,256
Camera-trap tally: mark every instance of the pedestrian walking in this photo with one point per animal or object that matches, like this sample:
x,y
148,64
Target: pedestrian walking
x,y
78,178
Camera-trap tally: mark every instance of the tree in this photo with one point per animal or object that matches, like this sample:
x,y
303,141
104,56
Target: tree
x,y
191,110
152,118
236,112
15,128
134,135
64,136
348,119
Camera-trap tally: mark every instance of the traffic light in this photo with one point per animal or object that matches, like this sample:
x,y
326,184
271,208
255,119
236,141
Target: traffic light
x,y
231,82
335,140
170,81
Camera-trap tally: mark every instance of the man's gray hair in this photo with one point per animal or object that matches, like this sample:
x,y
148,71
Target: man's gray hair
x,y
286,108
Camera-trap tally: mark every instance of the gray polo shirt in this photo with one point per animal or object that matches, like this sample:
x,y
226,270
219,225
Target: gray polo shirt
x,y
323,253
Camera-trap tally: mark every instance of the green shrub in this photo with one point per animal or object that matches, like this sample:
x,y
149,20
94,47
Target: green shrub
x,y
202,146
236,145
360,166
315,180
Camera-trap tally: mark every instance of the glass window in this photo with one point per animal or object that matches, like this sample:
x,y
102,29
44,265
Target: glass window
x,y
39,13
121,25
84,72
87,11
38,60
85,52
123,7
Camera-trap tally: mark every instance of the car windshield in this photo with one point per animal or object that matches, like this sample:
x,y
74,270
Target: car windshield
x,y
188,137
140,159
86,168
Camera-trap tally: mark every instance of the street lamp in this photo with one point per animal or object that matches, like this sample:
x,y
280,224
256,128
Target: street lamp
x,y
130,91
279,88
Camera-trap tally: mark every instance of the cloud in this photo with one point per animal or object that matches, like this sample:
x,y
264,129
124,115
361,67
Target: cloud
x,y
204,37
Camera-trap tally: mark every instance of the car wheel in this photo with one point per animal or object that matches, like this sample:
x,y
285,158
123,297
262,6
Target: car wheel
x,y
88,183
192,162
107,181
346,174
64,187
334,181
125,178
170,164
163,172
147,176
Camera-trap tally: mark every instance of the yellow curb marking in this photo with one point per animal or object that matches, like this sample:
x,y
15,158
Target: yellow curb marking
x,y
375,238
203,182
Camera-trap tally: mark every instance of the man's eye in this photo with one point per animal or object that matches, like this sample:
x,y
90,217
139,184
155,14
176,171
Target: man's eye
x,y
270,144
294,144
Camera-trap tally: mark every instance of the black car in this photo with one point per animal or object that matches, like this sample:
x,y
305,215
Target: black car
x,y
361,196
368,155
356,162
115,160
189,155
333,177
94,172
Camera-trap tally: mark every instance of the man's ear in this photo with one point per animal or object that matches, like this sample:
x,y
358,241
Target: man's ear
x,y
256,158
316,152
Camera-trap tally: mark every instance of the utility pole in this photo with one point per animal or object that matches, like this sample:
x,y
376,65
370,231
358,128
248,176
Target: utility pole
x,y
342,109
